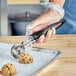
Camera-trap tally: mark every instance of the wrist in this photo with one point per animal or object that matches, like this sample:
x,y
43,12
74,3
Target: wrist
x,y
54,16
55,7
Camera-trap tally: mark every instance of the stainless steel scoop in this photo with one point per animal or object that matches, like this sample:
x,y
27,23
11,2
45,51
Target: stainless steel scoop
x,y
32,38
19,48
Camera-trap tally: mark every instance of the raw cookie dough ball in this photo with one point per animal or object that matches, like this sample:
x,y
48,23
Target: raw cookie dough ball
x,y
8,70
25,58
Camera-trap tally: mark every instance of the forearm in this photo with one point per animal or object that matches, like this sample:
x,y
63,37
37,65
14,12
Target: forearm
x,y
50,16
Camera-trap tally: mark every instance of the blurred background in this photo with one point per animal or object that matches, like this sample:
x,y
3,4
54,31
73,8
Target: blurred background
x,y
15,15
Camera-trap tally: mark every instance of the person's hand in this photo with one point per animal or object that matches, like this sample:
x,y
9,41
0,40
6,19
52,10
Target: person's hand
x,y
50,16
36,28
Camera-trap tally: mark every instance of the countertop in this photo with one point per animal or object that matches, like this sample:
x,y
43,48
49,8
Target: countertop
x,y
23,1
64,65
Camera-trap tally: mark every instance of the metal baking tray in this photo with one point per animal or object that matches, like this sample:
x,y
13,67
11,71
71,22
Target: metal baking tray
x,y
42,57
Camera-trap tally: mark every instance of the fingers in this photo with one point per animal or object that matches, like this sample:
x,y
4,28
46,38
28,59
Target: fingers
x,y
53,31
41,39
50,34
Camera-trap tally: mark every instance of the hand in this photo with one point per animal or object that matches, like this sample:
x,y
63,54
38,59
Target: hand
x,y
42,38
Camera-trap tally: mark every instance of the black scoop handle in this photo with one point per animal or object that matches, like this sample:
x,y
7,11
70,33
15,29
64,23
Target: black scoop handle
x,y
36,35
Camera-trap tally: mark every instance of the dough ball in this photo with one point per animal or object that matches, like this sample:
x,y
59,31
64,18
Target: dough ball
x,y
25,58
8,70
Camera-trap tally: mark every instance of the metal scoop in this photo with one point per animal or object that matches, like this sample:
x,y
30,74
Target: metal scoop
x,y
32,38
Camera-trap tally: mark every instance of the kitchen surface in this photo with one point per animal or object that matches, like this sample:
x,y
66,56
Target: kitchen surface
x,y
16,15
65,65
23,1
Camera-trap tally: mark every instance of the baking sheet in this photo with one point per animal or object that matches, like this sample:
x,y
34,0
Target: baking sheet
x,y
42,57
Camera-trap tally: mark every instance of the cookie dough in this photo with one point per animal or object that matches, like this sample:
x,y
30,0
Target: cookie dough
x,y
25,58
8,70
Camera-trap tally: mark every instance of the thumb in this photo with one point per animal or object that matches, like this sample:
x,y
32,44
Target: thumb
x,y
31,25
38,28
